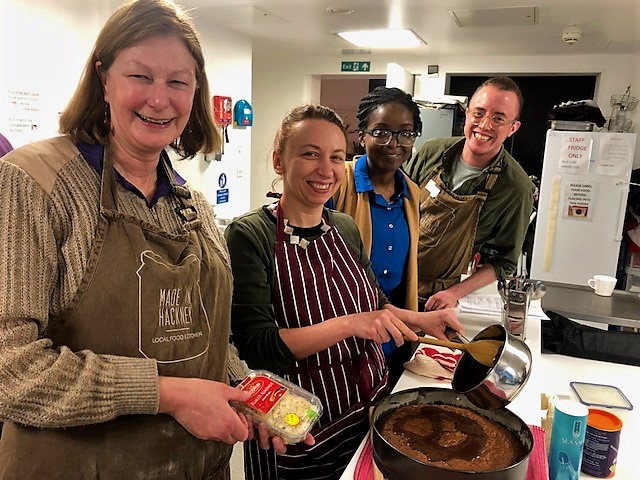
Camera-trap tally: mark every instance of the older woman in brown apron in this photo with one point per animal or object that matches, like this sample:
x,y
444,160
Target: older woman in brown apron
x,y
116,284
306,304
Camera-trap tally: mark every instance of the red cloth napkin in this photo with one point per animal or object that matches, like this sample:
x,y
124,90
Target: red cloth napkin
x,y
364,465
538,468
538,461
434,361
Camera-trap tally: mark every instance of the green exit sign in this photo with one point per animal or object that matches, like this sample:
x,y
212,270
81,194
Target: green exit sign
x,y
355,66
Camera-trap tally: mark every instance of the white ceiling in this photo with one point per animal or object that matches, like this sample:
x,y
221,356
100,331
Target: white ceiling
x,y
289,27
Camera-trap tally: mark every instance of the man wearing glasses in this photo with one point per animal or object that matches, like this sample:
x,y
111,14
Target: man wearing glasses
x,y
472,193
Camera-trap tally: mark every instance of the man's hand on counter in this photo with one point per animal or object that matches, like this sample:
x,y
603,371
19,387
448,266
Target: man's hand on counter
x,y
449,298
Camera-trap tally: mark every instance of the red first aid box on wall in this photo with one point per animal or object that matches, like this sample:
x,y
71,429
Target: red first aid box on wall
x,y
222,110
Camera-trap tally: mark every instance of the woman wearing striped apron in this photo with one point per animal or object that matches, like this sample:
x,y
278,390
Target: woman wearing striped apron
x,y
306,304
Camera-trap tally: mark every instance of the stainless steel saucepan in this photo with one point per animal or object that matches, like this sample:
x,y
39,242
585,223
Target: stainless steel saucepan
x,y
493,387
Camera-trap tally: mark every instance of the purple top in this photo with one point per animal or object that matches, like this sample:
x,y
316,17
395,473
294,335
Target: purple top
x,y
5,146
94,154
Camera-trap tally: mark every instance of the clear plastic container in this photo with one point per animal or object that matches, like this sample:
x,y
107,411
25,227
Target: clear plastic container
x,y
605,397
287,410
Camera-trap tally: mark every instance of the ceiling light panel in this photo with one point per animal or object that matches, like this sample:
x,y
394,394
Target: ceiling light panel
x,y
390,38
496,17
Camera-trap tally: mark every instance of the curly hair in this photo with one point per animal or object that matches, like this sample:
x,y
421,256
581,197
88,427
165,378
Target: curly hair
x,y
86,117
383,96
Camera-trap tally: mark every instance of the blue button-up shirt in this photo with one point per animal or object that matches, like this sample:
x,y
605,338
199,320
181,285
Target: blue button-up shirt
x,y
389,234
389,229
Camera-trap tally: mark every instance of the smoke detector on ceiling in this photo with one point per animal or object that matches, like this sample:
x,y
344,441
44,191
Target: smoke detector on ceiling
x,y
572,34
340,10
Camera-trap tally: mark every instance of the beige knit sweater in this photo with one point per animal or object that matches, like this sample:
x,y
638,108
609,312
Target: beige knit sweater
x,y
47,228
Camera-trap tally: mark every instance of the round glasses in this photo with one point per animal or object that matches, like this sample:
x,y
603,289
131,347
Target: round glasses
x,y
406,138
495,121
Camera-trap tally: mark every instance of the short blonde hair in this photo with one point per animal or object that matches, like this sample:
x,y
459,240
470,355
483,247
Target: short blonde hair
x,y
131,23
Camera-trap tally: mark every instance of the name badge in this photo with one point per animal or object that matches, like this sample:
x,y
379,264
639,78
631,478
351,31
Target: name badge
x,y
432,188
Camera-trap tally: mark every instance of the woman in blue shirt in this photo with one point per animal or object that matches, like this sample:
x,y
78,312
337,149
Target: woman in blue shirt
x,y
383,201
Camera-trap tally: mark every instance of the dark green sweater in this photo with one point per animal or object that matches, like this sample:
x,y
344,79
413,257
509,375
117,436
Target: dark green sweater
x,y
250,239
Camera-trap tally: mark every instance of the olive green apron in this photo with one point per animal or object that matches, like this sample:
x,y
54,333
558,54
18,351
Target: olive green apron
x,y
145,293
448,226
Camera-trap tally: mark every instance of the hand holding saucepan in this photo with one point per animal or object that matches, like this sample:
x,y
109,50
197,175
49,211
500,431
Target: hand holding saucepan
x,y
436,322
380,326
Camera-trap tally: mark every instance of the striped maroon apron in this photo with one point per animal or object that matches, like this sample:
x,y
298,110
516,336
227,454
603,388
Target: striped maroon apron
x,y
313,284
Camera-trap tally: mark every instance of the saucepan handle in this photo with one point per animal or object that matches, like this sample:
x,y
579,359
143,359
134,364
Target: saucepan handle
x,y
455,336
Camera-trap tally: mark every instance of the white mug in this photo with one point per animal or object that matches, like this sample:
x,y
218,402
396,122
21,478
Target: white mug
x,y
603,284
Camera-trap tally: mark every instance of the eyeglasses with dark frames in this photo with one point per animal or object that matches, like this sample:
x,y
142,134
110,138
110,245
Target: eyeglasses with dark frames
x,y
381,136
495,121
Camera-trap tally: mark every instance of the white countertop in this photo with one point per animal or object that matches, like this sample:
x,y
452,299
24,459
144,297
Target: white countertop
x,y
550,374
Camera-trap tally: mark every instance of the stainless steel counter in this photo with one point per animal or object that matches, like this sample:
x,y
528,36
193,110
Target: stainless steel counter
x,y
572,301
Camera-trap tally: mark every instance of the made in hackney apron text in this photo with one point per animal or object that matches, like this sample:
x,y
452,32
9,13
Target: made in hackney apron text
x,y
448,226
313,284
140,297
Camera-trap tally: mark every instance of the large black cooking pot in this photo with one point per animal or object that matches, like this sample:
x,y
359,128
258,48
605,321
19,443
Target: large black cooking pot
x,y
395,465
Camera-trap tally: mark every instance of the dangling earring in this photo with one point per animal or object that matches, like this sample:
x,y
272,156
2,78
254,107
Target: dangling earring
x,y
105,129
107,116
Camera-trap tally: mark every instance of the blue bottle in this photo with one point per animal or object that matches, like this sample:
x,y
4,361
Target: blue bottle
x,y
567,440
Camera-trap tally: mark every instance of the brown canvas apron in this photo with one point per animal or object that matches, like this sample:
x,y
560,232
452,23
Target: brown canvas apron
x,y
145,293
322,281
448,226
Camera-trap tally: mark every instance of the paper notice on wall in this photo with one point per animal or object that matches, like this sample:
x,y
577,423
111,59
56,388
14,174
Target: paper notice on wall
x,y
615,155
575,154
578,200
23,115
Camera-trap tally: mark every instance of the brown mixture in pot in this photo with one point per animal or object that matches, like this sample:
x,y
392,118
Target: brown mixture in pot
x,y
451,437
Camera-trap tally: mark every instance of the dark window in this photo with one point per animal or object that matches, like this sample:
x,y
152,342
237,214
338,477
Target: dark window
x,y
376,82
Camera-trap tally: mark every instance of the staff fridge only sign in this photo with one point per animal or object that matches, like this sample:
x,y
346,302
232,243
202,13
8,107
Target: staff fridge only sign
x,y
575,154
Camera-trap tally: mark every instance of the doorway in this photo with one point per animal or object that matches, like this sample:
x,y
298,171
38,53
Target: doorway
x,y
343,93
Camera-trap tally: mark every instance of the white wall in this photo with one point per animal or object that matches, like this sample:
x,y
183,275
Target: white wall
x,y
279,84
228,64
43,50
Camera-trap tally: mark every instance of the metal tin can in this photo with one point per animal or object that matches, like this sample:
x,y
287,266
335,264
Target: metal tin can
x,y
601,443
567,440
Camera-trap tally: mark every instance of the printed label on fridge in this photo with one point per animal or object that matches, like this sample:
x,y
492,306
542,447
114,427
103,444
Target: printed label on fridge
x,y
582,204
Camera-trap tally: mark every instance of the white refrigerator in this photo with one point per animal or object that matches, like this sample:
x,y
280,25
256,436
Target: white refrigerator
x,y
435,123
582,204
